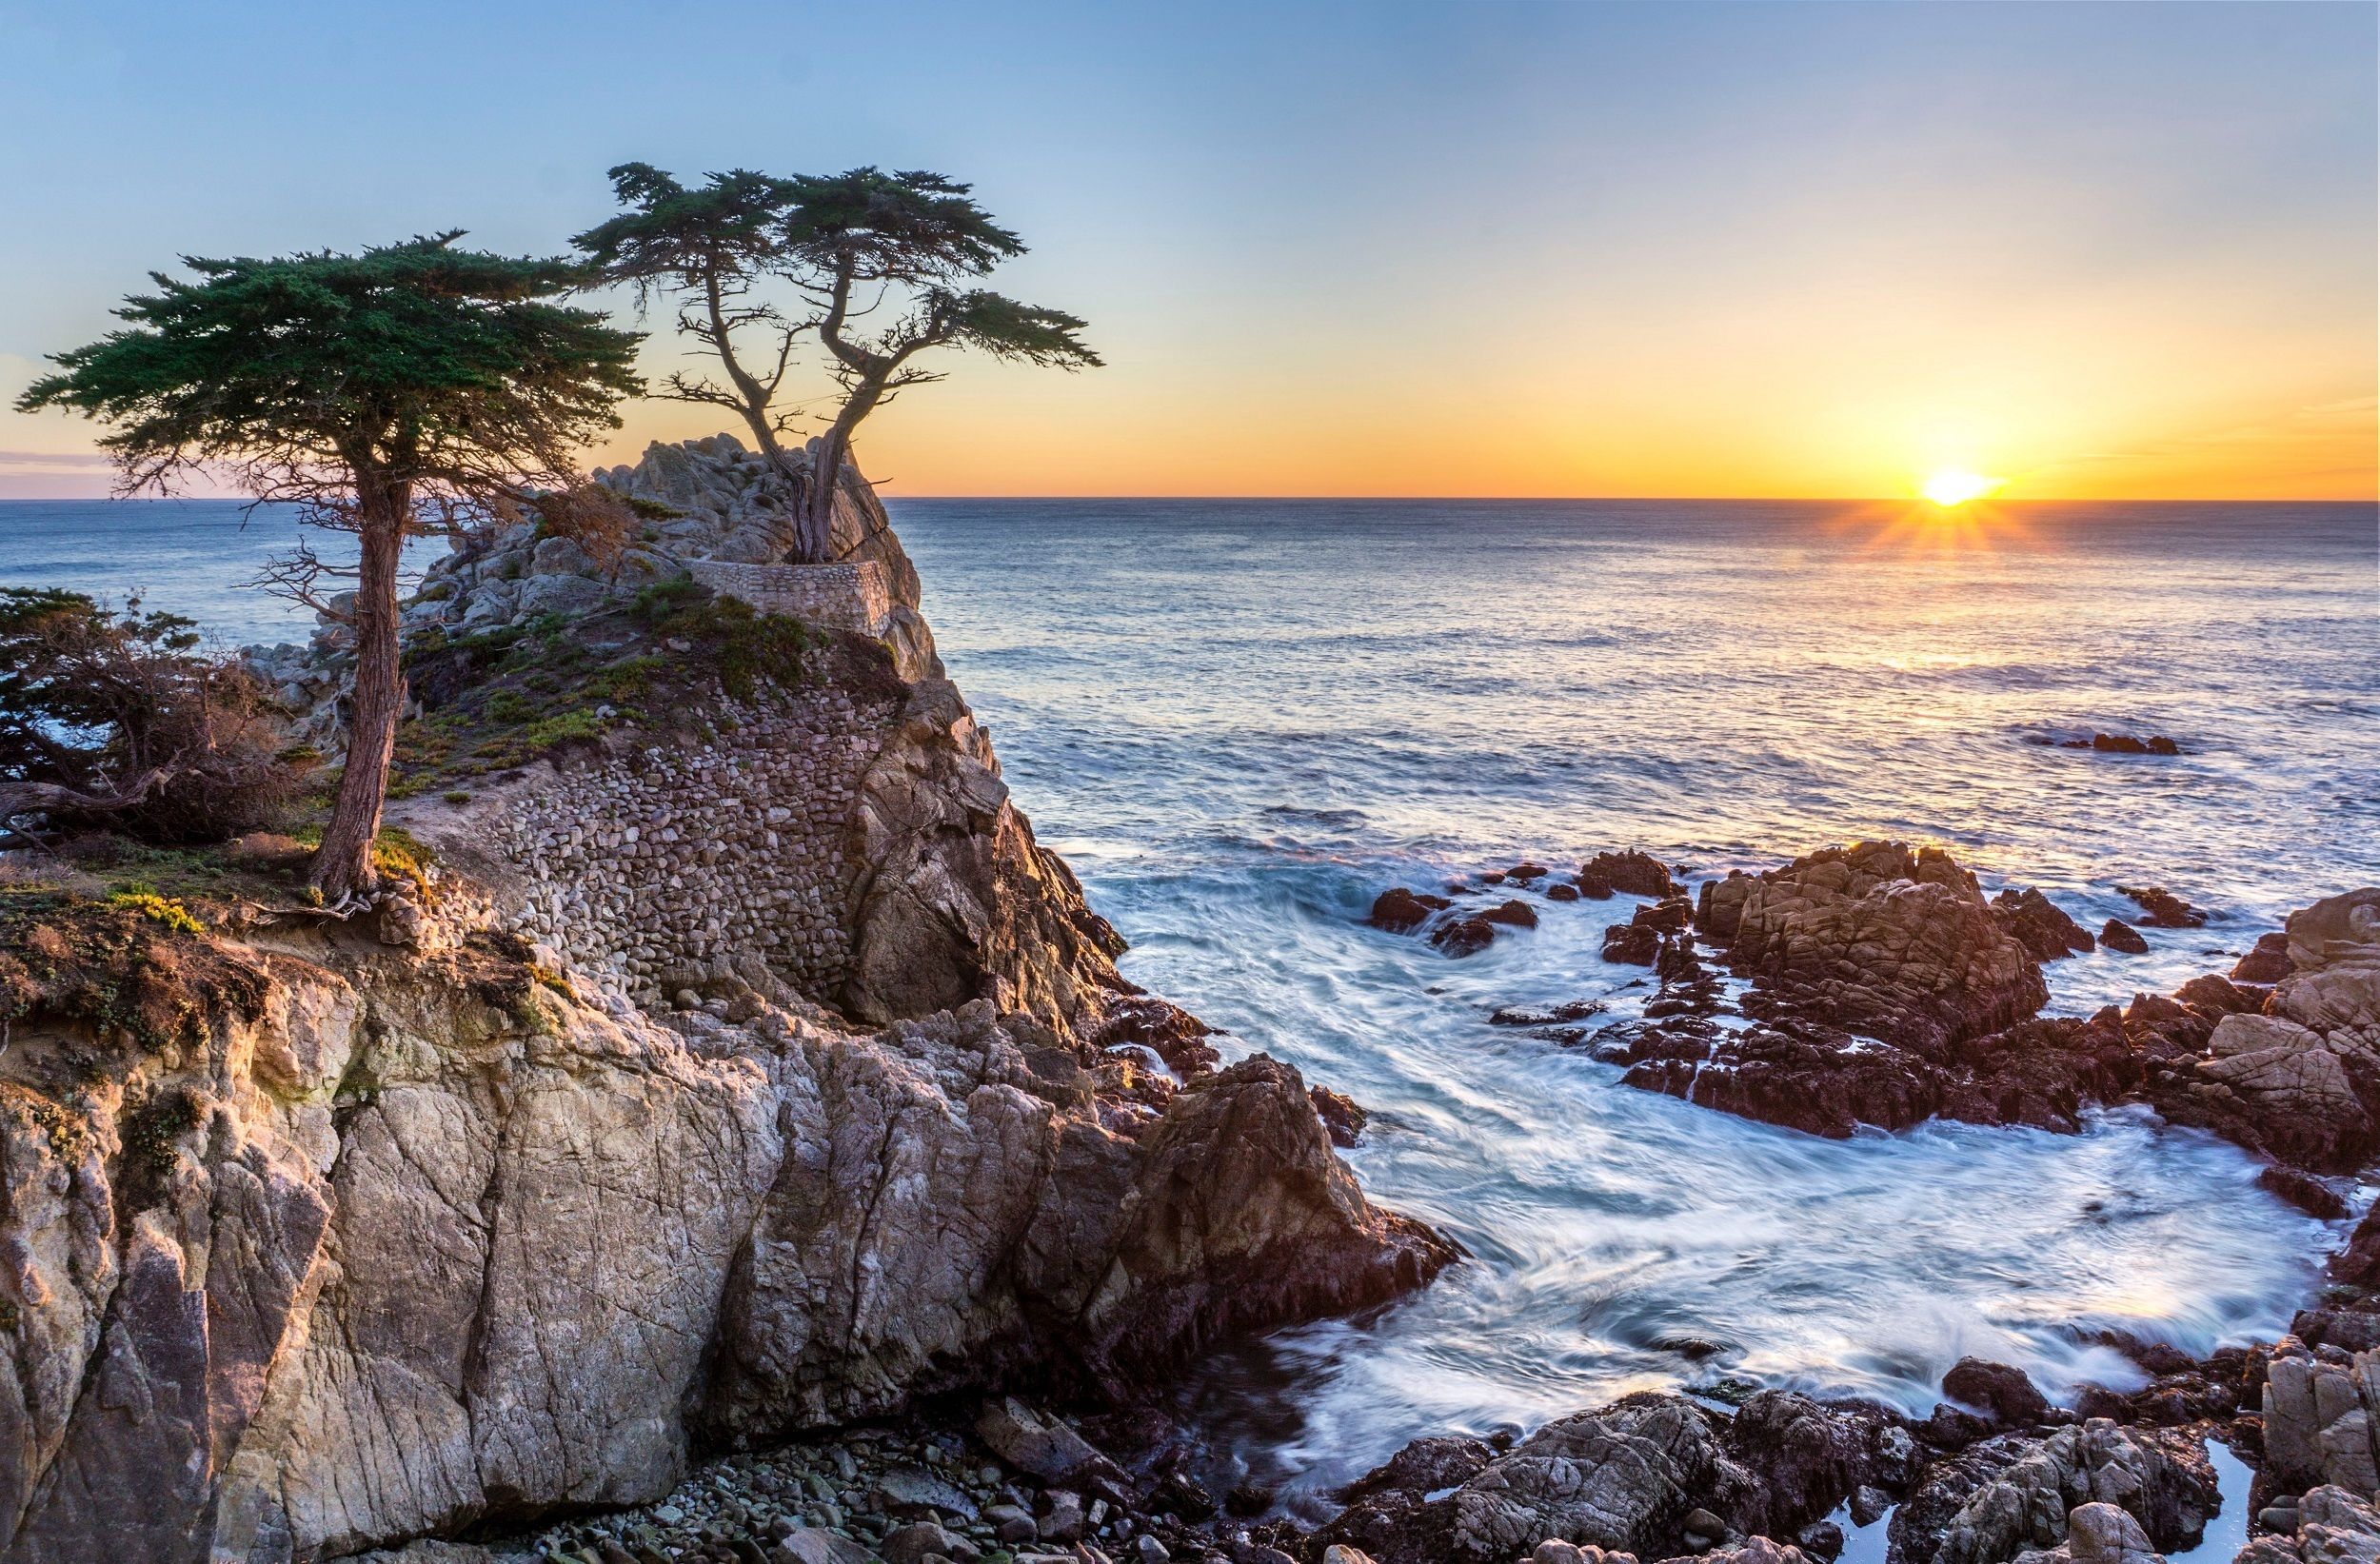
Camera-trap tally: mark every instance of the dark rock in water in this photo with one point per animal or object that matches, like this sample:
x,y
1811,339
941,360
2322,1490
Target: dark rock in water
x,y
2040,925
1998,1389
1654,1475
2307,1193
1524,873
2119,936
2125,743
1806,1076
1182,1495
1493,876
1521,1014
1637,945
2268,963
1401,911
1465,936
1248,1498
1339,1113
1166,1030
1514,914
1593,883
1694,1349
1559,892
2165,910
1631,873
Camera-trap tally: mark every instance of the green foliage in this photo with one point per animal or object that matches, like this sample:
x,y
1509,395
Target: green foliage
x,y
847,245
911,227
114,716
748,647
412,363
157,909
412,387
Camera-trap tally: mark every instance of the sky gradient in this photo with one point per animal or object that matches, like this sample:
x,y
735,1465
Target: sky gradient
x,y
1795,249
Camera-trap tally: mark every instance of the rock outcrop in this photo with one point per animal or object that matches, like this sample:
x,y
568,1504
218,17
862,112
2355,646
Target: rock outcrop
x,y
1652,1475
730,1078
2299,1077
407,1242
1886,991
2013,1495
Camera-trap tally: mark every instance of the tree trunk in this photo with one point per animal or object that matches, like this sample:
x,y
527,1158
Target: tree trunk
x,y
817,540
343,865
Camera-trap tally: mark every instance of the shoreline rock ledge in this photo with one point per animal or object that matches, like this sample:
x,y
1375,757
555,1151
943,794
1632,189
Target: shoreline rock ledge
x,y
715,1085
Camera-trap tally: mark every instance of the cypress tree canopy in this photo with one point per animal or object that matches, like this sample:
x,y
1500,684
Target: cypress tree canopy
x,y
447,371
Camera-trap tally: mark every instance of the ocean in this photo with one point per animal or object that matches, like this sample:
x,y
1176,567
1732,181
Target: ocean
x,y
1241,720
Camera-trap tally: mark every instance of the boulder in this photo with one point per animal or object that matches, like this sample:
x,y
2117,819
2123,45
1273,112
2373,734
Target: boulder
x,y
2164,909
1876,937
2121,937
2004,1392
2040,925
1464,935
1401,911
1631,873
2268,963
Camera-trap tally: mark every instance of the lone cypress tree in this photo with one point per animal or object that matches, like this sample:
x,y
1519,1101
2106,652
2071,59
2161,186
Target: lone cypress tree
x,y
852,245
711,246
407,389
864,238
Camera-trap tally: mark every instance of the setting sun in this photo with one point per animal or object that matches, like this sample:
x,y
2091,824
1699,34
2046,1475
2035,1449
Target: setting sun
x,y
1956,488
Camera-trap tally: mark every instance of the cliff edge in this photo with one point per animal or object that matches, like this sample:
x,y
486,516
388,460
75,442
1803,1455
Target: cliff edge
x,y
731,1061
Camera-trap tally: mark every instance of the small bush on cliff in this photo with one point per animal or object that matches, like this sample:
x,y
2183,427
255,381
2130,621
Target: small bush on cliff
x,y
746,647
114,717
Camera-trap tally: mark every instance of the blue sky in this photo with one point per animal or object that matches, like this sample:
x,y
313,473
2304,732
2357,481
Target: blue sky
x,y
1513,249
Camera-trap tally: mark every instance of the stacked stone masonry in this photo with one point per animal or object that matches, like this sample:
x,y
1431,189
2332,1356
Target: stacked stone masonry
x,y
672,856
848,597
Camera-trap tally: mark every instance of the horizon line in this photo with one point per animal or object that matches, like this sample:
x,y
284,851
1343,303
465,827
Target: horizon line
x,y
1410,499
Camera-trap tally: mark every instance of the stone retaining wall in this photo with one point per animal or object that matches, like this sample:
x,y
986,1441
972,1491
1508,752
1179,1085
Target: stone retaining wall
x,y
847,597
670,856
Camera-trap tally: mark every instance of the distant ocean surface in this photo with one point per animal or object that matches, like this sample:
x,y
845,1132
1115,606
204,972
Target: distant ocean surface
x,y
1241,720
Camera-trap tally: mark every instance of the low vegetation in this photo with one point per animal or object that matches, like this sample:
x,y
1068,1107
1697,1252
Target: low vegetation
x,y
500,699
114,717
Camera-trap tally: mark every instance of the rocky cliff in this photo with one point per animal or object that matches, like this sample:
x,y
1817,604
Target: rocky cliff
x,y
722,1077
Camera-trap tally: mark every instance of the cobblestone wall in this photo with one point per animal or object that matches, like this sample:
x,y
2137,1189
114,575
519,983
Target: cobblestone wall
x,y
849,597
669,856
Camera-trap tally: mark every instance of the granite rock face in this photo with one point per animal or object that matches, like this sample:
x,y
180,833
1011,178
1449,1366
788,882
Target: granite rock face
x,y
428,1241
955,901
2013,1495
2298,1079
1883,940
1655,1475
